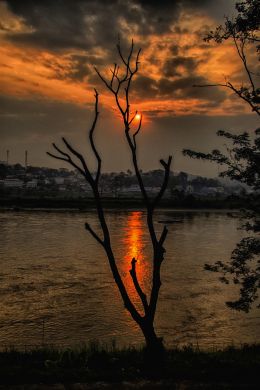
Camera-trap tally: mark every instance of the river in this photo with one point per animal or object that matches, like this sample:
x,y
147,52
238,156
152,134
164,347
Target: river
x,y
56,286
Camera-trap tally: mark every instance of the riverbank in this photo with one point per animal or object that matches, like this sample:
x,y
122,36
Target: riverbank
x,y
191,367
18,203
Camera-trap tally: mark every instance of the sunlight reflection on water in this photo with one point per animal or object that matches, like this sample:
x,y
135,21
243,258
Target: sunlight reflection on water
x,y
51,269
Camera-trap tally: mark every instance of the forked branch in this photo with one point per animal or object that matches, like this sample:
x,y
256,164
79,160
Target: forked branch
x,y
167,168
137,285
66,158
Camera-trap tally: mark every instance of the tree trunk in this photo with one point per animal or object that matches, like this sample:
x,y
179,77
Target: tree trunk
x,y
154,351
151,339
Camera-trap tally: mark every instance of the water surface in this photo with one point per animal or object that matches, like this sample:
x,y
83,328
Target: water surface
x,y
53,272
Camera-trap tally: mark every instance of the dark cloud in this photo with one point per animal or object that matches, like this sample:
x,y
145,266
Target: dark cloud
x,y
82,24
66,24
174,49
182,88
73,68
169,5
178,64
145,87
180,30
159,15
54,24
80,68
19,116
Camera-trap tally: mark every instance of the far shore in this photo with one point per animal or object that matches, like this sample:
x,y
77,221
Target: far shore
x,y
83,204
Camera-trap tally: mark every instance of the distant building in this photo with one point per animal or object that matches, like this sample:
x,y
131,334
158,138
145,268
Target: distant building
x,y
13,183
85,186
210,191
132,188
71,179
189,189
32,183
59,180
152,190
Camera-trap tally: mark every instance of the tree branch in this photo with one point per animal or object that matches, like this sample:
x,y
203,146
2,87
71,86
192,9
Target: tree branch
x,y
167,167
133,117
137,285
91,132
238,92
241,53
67,159
137,131
82,160
163,236
94,234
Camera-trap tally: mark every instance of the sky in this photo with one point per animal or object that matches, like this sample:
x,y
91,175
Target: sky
x,y
48,51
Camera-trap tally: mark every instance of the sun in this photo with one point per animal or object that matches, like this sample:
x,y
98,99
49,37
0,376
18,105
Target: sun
x,y
137,117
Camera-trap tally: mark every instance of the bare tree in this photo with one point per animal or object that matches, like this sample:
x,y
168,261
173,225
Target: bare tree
x,y
119,85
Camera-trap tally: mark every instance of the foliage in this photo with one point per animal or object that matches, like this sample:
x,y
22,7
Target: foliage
x,y
93,363
244,32
245,25
242,160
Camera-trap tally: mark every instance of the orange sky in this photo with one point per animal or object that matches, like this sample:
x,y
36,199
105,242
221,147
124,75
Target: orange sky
x,y
47,55
27,71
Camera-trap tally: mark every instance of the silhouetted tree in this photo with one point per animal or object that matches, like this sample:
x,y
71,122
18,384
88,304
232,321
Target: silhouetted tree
x,y
242,163
242,159
244,32
244,26
119,86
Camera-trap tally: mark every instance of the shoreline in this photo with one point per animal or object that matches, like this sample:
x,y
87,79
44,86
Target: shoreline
x,y
84,204
232,212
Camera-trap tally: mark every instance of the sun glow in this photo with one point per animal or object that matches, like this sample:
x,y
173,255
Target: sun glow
x,y
133,238
134,244
137,117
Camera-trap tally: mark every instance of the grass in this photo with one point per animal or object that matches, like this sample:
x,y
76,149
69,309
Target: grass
x,y
94,362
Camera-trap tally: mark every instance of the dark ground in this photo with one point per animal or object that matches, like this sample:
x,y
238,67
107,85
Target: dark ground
x,y
98,368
